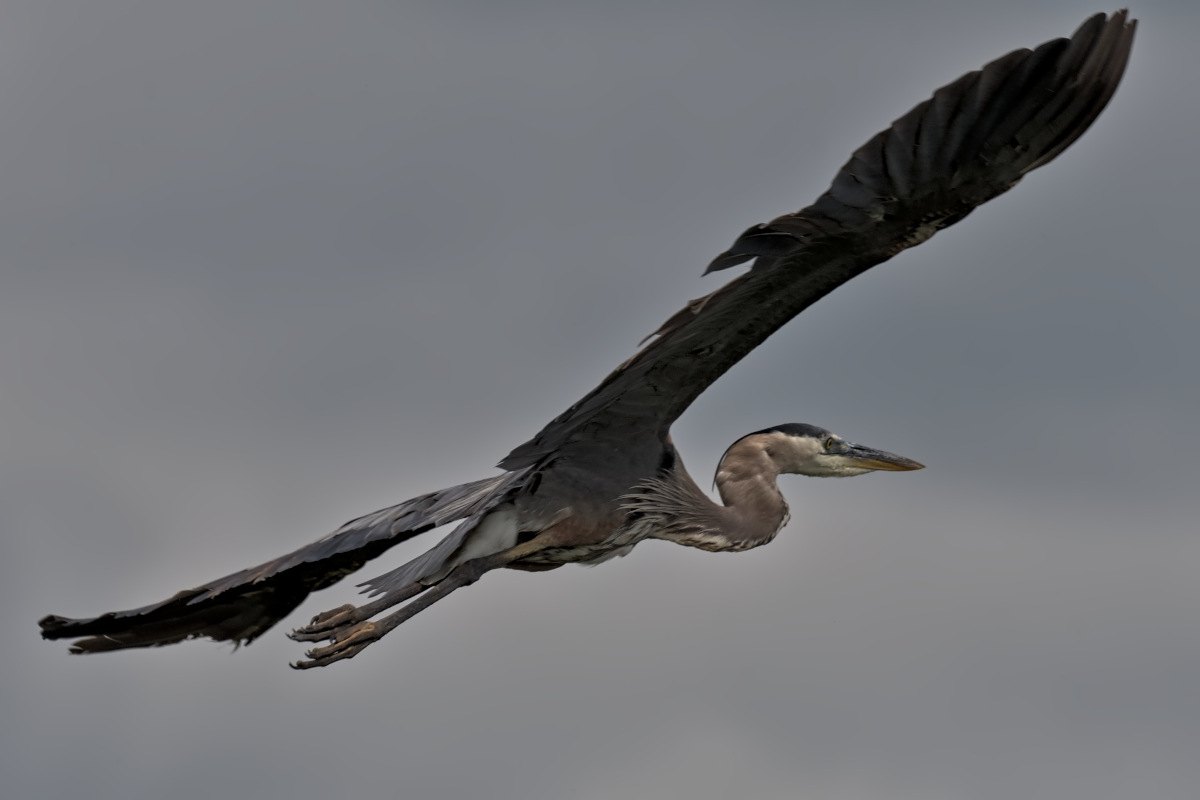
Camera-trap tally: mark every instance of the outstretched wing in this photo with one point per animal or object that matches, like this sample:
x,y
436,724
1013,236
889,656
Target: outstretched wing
x,y
972,141
242,606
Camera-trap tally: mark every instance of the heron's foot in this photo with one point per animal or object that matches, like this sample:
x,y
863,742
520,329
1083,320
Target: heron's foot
x,y
327,624
345,644
334,624
350,629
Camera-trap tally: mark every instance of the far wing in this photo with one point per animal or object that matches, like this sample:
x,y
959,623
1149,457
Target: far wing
x,y
970,142
242,606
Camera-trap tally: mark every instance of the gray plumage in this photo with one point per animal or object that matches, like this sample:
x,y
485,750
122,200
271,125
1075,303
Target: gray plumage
x,y
604,475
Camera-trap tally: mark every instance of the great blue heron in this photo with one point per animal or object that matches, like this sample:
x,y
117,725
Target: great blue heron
x,y
604,474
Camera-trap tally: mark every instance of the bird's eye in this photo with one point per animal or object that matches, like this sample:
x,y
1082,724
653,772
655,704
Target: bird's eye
x,y
829,443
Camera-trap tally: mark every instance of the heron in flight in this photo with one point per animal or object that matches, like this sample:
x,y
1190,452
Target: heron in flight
x,y
604,474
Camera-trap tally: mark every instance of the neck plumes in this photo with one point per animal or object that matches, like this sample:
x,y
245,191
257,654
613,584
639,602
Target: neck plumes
x,y
674,508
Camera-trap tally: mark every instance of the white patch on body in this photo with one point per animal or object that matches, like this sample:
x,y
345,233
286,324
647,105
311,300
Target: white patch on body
x,y
495,533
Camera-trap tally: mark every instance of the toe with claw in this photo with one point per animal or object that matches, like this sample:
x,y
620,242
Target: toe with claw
x,y
343,646
326,624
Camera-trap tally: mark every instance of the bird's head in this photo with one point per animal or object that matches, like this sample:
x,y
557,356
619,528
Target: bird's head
x,y
802,449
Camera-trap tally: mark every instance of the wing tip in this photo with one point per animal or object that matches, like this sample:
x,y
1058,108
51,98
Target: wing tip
x,y
52,623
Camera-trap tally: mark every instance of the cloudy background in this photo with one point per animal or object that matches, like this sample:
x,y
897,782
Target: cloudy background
x,y
267,266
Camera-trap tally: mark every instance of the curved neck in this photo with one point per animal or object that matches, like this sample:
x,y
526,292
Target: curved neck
x,y
672,507
746,482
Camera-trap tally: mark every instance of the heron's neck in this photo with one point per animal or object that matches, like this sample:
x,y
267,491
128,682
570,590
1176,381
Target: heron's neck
x,y
674,508
754,505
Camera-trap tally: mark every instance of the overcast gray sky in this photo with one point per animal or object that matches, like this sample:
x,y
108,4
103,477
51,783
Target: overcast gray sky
x,y
267,266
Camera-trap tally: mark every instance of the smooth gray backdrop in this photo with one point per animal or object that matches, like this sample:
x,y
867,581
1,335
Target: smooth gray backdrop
x,y
267,266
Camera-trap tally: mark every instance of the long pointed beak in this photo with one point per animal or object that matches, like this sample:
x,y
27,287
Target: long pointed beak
x,y
870,458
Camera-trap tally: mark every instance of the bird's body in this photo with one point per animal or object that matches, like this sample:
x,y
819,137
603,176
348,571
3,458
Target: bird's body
x,y
604,475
